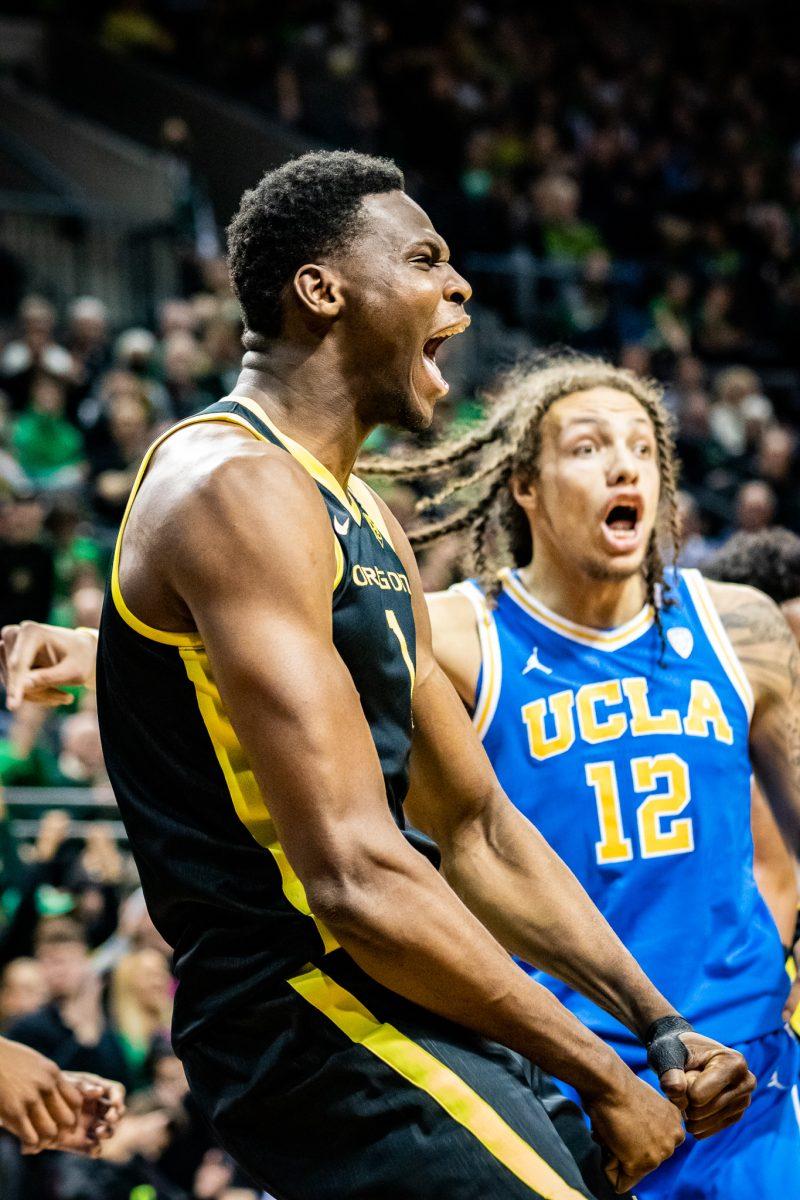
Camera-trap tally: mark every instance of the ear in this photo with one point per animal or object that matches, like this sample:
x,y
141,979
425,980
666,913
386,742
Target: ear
x,y
524,492
319,291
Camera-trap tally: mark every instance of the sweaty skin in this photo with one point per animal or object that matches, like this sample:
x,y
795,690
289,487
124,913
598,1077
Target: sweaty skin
x,y
352,356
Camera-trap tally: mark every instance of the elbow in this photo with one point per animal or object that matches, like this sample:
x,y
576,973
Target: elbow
x,y
354,897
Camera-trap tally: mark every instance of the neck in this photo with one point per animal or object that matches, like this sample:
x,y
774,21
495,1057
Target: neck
x,y
307,397
570,592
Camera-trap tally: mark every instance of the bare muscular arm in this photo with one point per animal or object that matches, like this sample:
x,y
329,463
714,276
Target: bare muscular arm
x,y
768,651
769,654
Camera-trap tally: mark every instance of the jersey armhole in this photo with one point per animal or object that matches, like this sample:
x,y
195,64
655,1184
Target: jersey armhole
x,y
717,635
491,672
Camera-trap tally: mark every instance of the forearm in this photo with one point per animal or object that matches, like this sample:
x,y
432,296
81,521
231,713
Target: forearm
x,y
520,889
407,929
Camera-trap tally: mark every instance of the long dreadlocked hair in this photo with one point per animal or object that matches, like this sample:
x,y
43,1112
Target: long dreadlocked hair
x,y
470,475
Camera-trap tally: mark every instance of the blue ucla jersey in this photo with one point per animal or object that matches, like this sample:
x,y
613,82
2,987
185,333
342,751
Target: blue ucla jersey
x,y
630,755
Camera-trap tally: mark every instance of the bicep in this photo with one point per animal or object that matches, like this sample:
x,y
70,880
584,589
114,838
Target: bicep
x,y
267,633
451,782
769,655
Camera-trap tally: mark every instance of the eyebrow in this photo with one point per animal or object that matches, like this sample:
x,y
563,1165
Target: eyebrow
x,y
433,242
600,423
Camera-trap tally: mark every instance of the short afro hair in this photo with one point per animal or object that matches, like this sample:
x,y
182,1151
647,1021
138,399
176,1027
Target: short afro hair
x,y
768,560
302,210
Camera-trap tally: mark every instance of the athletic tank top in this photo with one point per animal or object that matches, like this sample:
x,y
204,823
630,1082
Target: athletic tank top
x,y
216,880
630,755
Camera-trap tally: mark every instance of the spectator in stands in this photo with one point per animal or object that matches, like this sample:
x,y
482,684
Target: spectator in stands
x,y
695,546
35,350
755,506
47,446
130,429
26,561
732,387
562,235
776,462
184,364
88,340
23,990
140,1005
72,1028
671,317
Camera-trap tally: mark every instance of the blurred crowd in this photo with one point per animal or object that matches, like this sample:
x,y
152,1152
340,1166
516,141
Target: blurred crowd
x,y
646,155
85,980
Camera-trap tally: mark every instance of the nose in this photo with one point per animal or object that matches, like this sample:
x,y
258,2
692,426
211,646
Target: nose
x,y
624,466
457,290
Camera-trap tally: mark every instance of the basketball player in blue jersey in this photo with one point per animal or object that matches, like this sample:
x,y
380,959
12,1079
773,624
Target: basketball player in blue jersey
x,y
351,1022
624,709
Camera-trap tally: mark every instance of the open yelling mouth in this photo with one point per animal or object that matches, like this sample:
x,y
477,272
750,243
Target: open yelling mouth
x,y
622,522
430,350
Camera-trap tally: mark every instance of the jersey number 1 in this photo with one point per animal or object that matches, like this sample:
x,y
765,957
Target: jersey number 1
x,y
665,779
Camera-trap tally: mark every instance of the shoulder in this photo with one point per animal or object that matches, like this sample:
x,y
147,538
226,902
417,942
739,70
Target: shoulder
x,y
220,509
760,635
231,488
451,614
748,614
456,642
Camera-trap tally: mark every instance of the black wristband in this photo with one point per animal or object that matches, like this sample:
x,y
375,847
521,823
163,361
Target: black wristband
x,y
665,1050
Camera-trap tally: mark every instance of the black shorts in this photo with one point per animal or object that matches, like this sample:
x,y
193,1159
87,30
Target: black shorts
x,y
334,1088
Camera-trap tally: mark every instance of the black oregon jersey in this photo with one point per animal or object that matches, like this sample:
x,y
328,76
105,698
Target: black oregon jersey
x,y
217,882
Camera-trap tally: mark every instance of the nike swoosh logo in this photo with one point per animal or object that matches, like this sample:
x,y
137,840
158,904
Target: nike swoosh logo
x,y
341,527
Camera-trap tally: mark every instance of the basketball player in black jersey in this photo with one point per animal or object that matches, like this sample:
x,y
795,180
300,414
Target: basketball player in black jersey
x,y
349,1017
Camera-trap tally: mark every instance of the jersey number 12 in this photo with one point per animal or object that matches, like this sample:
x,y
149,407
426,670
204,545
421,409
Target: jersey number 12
x,y
664,779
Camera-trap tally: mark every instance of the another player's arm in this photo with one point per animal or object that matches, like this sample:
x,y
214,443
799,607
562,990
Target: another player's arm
x,y
767,650
260,594
506,873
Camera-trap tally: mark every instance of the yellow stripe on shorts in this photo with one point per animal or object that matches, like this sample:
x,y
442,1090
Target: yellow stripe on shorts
x,y
442,1084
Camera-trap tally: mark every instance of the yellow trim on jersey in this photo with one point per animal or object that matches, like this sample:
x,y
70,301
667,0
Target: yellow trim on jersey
x,y
794,1019
423,1070
165,637
600,639
718,637
315,468
245,793
491,658
337,550
365,496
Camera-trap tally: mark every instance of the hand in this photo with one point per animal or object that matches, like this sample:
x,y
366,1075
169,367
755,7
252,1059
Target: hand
x,y
793,999
638,1129
103,1105
53,830
214,1174
37,661
714,1088
101,859
141,1133
38,1104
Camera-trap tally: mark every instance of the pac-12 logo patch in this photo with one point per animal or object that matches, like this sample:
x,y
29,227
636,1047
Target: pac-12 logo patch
x,y
681,639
